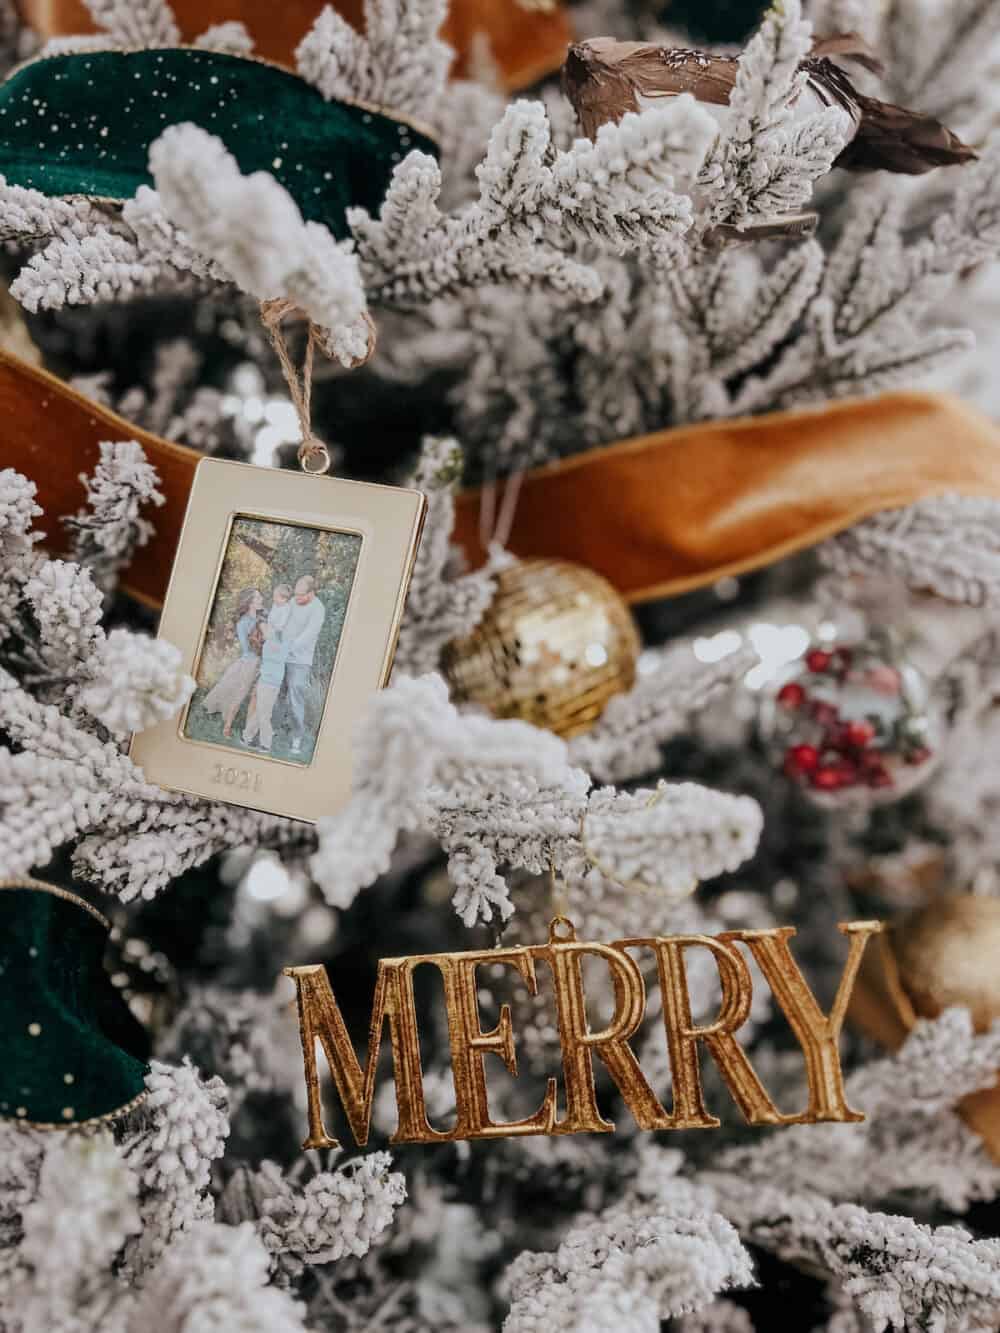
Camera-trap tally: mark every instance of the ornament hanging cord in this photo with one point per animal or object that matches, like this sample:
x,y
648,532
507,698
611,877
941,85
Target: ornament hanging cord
x,y
313,455
494,528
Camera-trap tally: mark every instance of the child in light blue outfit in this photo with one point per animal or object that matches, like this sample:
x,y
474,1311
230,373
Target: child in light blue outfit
x,y
272,670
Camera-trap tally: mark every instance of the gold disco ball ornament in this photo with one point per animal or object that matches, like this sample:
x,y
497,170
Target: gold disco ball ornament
x,y
556,643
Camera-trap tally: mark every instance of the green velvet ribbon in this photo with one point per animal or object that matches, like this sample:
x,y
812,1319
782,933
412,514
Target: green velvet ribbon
x,y
71,1047
82,125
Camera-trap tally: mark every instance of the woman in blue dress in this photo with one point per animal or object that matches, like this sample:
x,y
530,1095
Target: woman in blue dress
x,y
236,682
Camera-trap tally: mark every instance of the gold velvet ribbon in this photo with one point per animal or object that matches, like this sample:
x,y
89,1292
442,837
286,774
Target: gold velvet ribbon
x,y
657,516
669,512
881,1008
526,43
52,434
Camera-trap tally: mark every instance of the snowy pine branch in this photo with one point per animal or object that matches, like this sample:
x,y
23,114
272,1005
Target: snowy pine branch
x,y
470,781
443,603
912,1141
231,37
111,527
178,1132
335,1213
215,1276
66,785
83,1212
900,1273
948,545
50,611
649,1257
252,228
399,63
768,157
534,204
408,63
137,681
136,22
99,255
333,56
28,216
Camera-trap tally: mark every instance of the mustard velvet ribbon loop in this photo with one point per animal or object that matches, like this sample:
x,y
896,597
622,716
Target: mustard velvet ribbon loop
x,y
657,516
666,513
83,124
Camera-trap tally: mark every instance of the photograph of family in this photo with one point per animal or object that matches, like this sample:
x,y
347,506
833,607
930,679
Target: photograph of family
x,y
272,637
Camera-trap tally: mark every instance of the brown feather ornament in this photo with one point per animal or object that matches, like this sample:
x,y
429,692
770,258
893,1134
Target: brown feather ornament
x,y
604,78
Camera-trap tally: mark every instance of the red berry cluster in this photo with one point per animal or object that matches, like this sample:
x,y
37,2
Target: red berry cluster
x,y
846,753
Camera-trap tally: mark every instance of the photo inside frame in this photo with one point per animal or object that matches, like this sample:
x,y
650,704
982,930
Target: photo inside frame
x,y
270,643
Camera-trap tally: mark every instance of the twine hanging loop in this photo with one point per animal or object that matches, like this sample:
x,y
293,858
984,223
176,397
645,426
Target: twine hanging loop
x,y
314,456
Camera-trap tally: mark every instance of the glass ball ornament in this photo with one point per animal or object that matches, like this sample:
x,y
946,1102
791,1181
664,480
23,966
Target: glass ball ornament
x,y
555,645
940,957
853,722
946,954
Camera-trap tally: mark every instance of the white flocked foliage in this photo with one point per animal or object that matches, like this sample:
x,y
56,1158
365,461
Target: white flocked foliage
x,y
231,37
112,525
950,545
252,227
443,603
619,193
136,22
399,62
902,1274
216,1276
137,682
661,1251
335,1213
469,780
766,162
569,293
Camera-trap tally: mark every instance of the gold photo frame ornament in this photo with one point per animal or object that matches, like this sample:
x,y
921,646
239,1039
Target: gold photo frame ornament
x,y
386,522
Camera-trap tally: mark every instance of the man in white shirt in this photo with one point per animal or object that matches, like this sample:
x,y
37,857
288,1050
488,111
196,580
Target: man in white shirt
x,y
299,638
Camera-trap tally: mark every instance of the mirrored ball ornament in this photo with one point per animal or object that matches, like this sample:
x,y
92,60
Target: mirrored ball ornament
x,y
556,644
853,722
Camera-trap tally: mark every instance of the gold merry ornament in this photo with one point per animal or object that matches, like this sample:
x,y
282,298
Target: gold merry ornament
x,y
817,1033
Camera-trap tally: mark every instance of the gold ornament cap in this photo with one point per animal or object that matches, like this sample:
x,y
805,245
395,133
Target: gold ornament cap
x,y
555,645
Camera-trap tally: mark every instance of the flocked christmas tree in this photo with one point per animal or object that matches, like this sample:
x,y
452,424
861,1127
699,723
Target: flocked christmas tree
x,y
810,743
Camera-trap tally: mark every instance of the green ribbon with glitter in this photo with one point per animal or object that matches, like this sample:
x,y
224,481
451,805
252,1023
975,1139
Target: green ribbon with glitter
x,y
82,124
72,1051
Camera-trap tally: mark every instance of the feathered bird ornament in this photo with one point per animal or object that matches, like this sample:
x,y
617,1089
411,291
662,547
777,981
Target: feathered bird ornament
x,y
604,78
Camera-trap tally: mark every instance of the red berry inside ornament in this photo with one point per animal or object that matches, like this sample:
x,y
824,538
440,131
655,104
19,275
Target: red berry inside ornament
x,y
791,695
818,660
800,759
848,773
859,734
853,722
